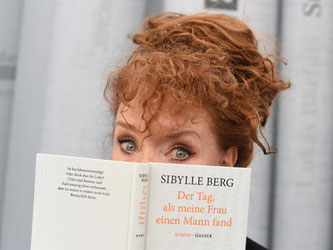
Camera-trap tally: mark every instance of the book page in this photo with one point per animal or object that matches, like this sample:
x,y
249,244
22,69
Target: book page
x,y
197,207
81,203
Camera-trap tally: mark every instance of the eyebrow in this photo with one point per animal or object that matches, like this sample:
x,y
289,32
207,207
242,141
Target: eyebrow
x,y
126,125
169,136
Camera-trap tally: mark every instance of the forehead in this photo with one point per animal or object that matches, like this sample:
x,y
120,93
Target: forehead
x,y
136,116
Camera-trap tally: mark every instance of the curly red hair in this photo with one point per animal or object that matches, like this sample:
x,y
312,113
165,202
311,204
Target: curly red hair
x,y
203,61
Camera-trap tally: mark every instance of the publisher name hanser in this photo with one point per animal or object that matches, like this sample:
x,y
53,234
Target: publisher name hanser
x,y
197,180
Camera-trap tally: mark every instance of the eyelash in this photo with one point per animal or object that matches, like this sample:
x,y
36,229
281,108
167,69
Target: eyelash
x,y
185,149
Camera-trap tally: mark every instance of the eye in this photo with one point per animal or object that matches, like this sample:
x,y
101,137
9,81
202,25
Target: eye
x,y
127,145
180,153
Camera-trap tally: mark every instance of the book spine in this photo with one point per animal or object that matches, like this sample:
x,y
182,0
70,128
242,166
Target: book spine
x,y
303,196
9,33
137,227
233,7
262,18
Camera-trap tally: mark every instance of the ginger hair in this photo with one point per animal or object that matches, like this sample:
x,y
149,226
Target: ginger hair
x,y
202,61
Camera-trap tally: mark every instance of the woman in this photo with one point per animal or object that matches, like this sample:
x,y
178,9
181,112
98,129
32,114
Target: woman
x,y
195,91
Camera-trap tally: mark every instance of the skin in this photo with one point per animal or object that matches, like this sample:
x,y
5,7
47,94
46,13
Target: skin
x,y
172,140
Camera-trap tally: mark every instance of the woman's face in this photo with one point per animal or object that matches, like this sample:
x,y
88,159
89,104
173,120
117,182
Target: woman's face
x,y
171,140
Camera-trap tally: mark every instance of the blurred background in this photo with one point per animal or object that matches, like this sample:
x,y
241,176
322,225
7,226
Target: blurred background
x,y
55,56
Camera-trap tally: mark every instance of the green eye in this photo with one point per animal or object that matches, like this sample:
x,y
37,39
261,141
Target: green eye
x,y
181,154
130,146
127,145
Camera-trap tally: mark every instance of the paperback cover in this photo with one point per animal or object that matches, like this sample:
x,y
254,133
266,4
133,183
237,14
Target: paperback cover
x,y
83,203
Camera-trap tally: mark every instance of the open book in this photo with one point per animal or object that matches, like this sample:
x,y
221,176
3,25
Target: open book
x,y
91,204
